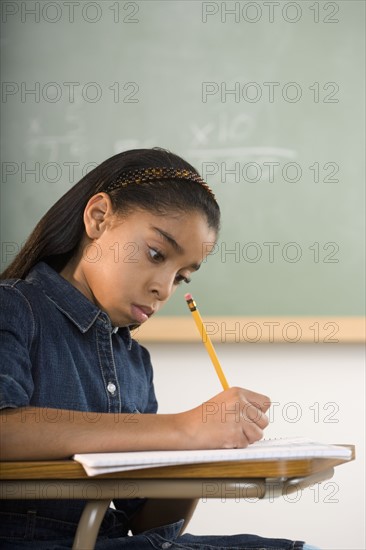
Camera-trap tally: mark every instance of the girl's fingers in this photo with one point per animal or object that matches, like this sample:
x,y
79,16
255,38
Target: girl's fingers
x,y
261,401
252,432
253,414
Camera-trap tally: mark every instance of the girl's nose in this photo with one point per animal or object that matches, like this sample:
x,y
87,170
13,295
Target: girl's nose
x,y
163,287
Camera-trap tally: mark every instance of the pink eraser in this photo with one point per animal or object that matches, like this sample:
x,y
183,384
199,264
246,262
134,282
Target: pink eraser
x,y
188,297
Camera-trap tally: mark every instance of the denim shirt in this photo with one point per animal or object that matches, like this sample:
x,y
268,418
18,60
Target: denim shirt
x,y
59,350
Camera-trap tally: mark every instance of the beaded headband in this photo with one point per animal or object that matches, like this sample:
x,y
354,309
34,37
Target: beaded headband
x,y
155,174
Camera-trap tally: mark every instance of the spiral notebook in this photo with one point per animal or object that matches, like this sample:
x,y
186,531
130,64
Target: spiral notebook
x,y
271,449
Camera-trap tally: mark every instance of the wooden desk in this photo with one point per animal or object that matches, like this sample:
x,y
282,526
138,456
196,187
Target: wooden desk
x,y
66,479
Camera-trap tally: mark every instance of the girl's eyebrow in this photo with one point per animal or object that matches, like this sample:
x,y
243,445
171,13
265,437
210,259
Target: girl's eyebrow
x,y
173,243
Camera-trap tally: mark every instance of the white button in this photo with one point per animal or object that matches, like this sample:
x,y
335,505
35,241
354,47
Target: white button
x,y
111,387
166,545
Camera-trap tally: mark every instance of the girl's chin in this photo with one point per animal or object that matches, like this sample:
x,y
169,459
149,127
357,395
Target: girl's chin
x,y
120,320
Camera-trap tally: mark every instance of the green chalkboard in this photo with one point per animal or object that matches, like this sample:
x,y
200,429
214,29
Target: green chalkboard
x,y
266,99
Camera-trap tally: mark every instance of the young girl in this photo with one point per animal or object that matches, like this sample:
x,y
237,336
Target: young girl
x,y
104,259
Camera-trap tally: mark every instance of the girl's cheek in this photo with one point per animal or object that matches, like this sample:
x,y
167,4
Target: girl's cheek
x,y
130,253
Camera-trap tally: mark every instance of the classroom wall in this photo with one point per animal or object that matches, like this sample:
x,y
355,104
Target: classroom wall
x,y
317,391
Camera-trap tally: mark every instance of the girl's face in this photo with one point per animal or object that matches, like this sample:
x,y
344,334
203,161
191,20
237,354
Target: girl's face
x,y
129,267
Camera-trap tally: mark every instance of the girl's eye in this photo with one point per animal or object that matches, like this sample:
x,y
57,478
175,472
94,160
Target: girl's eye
x,y
155,255
180,279
158,257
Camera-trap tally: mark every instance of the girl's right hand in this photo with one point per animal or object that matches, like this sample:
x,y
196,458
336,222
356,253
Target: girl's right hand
x,y
232,419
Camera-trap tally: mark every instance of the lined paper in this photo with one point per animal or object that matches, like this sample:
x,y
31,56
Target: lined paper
x,y
272,449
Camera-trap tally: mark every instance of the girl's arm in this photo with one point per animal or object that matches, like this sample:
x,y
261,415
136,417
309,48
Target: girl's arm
x,y
31,433
233,418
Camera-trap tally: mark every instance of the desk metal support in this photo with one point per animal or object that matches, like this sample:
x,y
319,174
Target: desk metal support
x,y
89,524
277,487
95,490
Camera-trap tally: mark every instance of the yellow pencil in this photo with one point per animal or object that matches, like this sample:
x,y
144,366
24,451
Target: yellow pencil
x,y
206,340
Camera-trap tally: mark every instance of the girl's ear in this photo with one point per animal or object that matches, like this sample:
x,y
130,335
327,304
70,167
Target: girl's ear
x,y
96,213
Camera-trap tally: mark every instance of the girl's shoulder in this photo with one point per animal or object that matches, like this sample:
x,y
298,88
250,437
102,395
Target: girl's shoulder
x,y
20,300
17,307
18,290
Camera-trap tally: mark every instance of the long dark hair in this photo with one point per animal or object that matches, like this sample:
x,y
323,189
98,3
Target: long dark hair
x,y
57,236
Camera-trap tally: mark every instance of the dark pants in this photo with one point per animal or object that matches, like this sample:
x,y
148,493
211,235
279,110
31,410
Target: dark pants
x,y
31,532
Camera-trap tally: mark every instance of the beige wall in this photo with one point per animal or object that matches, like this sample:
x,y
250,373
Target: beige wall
x,y
318,391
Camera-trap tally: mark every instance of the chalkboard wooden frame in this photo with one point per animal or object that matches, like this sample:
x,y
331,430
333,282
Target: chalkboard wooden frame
x,y
261,330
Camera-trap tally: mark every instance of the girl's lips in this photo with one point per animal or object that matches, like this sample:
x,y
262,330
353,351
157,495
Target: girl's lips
x,y
141,313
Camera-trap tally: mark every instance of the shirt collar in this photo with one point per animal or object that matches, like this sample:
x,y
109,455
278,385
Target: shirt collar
x,y
68,299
